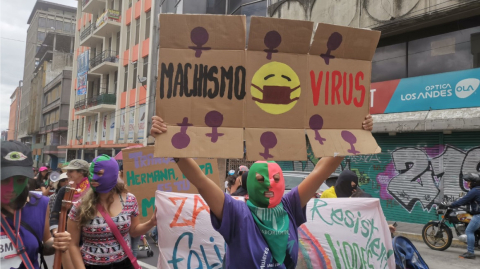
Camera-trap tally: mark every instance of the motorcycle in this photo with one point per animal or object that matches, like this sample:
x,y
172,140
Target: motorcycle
x,y
438,235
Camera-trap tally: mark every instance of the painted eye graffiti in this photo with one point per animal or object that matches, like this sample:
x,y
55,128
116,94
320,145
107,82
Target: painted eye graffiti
x,y
15,156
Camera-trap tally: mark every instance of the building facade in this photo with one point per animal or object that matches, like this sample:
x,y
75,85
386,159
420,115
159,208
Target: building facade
x,y
54,123
115,69
13,119
424,96
46,18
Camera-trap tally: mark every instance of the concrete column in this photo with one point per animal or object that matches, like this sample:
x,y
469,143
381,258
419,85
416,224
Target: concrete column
x,y
54,41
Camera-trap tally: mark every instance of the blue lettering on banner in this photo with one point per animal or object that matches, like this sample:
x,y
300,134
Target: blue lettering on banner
x,y
439,91
178,262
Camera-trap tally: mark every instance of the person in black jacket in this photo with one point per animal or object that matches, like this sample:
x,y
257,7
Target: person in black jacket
x,y
473,199
242,190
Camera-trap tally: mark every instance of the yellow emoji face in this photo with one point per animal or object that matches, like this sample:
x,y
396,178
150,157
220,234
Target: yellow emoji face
x,y
275,88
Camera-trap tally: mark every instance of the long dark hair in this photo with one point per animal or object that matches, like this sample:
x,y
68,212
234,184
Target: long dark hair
x,y
41,178
87,210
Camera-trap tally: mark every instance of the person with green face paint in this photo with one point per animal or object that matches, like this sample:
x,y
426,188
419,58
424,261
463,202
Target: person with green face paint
x,y
263,231
24,213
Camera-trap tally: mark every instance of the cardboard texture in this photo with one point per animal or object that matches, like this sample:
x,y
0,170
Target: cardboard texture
x,y
276,144
201,83
211,91
143,174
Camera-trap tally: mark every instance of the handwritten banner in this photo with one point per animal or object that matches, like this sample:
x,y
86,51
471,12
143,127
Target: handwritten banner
x,y
339,233
144,174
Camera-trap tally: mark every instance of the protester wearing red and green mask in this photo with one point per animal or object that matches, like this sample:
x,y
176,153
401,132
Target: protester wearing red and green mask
x,y
266,186
262,232
24,213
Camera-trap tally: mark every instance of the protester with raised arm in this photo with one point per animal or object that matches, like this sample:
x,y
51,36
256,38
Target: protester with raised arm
x,y
261,233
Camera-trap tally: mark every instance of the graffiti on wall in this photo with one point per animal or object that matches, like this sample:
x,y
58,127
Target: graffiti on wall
x,y
429,175
406,178
327,10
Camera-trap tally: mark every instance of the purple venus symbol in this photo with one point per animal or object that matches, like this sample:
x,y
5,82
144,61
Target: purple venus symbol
x,y
181,140
316,124
333,43
268,141
272,40
199,37
350,139
214,119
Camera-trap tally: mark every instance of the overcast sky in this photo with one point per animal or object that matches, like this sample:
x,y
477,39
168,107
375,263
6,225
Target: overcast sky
x,y
13,25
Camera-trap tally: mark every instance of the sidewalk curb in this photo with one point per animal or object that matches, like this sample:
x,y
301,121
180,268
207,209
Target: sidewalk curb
x,y
418,238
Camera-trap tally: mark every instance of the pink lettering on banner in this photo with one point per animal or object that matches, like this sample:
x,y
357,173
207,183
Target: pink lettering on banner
x,y
147,160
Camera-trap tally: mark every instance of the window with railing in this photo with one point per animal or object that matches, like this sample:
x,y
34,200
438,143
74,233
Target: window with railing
x,y
86,32
105,56
102,99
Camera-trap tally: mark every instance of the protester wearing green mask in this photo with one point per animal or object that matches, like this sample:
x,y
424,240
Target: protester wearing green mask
x,y
261,233
24,213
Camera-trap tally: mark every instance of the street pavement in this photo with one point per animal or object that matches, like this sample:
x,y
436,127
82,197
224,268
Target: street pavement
x,y
447,259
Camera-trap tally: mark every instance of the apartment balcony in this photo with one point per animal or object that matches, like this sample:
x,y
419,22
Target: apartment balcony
x,y
81,108
87,38
108,23
91,6
104,62
102,103
93,105
61,125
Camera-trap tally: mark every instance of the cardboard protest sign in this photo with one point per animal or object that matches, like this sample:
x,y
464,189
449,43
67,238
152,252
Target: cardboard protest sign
x,y
201,84
143,174
339,66
339,233
212,92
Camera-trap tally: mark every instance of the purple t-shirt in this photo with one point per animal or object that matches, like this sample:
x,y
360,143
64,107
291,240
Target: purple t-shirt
x,y
33,213
246,247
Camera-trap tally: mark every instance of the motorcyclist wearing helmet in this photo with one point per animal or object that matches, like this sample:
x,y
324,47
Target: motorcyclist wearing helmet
x,y
473,199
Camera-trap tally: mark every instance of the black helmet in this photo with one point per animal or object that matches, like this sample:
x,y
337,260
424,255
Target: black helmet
x,y
474,178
